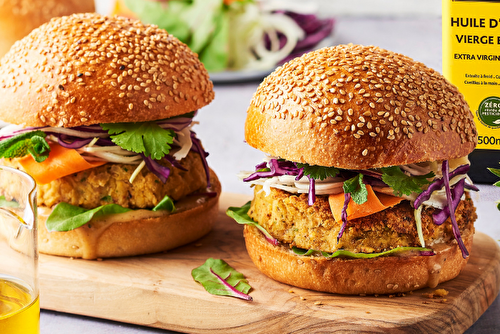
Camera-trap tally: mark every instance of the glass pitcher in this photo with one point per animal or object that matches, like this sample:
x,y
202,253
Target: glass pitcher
x,y
19,305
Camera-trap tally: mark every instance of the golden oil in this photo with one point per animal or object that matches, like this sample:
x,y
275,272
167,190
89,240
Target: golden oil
x,y
471,61
19,309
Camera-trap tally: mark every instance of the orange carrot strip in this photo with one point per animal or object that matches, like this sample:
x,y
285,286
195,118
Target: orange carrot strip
x,y
375,203
61,162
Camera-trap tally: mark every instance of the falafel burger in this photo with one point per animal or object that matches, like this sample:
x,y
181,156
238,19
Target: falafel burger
x,y
364,187
100,113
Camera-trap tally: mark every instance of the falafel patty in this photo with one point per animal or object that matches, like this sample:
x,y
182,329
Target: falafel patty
x,y
289,218
109,183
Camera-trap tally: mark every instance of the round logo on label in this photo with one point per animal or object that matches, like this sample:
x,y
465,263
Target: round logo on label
x,y
489,112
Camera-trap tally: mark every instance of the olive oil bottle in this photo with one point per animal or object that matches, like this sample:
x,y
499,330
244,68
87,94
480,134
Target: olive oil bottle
x,y
471,61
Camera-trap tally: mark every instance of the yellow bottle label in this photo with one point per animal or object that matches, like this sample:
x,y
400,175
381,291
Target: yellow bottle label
x,y
471,61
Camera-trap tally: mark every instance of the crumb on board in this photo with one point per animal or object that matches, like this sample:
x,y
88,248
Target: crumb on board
x,y
302,298
290,291
318,303
439,293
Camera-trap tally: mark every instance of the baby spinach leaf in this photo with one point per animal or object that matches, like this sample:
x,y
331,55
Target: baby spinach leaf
x,y
241,216
219,278
67,217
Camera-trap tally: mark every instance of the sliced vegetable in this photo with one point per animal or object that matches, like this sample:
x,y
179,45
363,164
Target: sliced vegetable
x,y
456,230
241,216
67,217
374,203
219,278
440,216
60,162
402,183
438,184
418,222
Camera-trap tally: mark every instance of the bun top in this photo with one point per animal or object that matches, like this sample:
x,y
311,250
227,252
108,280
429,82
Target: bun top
x,y
86,69
19,17
359,107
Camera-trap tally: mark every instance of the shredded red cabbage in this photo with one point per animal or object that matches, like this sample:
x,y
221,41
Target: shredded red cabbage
x,y
438,183
439,217
203,154
174,162
456,231
159,170
280,168
315,29
347,199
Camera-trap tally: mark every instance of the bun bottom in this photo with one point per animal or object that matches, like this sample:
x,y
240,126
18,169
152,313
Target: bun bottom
x,y
383,275
136,232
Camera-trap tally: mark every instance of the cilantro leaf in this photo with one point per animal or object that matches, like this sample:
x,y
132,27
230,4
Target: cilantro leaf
x,y
18,146
356,188
219,278
401,183
318,172
146,137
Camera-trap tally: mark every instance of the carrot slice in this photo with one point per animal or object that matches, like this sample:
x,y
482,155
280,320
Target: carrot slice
x,y
61,162
375,203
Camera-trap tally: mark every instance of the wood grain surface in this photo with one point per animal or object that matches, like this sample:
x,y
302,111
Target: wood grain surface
x,y
158,291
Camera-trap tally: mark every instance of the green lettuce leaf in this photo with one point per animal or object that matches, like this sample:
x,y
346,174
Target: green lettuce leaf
x,y
18,146
165,204
395,251
8,204
401,183
318,172
146,137
240,215
67,217
356,188
303,252
219,278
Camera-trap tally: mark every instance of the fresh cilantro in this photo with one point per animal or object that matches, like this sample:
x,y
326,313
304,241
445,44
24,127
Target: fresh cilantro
x,y
402,183
356,188
33,143
318,172
146,137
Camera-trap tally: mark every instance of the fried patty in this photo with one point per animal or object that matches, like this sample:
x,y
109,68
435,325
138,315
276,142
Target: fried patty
x,y
290,219
109,183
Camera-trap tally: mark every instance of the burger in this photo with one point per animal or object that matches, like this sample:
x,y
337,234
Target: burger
x,y
364,188
101,113
18,18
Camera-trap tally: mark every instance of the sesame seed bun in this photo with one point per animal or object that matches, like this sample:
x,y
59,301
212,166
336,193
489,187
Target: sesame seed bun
x,y
18,17
86,69
382,275
358,107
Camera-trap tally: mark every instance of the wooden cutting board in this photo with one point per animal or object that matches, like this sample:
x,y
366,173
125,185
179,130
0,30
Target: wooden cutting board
x,y
158,291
